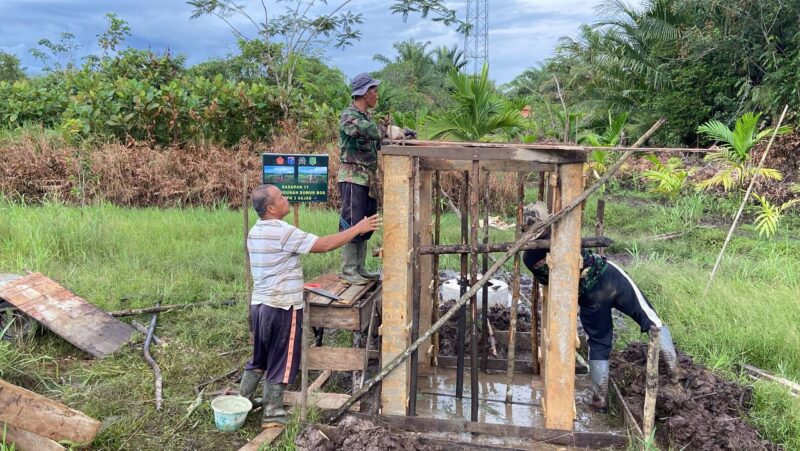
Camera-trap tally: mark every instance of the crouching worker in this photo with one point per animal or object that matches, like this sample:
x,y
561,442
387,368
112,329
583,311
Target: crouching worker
x,y
603,285
277,304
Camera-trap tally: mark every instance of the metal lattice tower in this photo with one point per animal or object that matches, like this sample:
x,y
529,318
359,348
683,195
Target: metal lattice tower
x,y
476,41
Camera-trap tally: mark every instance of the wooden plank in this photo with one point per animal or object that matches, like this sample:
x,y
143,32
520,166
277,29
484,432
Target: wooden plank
x,y
757,373
426,297
262,439
543,146
335,359
554,436
335,318
561,320
600,241
396,312
23,440
42,416
77,321
326,401
485,152
352,294
437,164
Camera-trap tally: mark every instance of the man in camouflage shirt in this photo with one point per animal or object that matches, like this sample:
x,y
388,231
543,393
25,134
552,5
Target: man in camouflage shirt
x,y
359,143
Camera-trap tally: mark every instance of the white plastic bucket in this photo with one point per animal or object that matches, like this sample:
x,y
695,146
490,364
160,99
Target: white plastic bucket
x,y
230,411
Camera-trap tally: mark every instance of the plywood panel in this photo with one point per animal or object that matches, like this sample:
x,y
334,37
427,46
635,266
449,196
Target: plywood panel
x,y
562,305
397,280
42,416
77,321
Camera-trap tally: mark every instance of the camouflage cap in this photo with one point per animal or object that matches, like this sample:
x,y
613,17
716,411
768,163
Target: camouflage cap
x,y
361,83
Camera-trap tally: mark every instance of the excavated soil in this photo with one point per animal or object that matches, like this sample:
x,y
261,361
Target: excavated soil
x,y
700,412
358,434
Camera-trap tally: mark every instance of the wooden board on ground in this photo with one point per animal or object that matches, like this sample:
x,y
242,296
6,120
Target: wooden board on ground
x,y
42,416
77,321
28,441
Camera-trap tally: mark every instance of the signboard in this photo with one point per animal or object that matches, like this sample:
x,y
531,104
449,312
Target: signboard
x,y
301,177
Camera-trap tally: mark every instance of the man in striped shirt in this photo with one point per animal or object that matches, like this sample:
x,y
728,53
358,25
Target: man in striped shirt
x,y
277,304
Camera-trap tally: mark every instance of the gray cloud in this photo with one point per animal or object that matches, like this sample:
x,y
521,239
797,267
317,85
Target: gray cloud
x,y
521,32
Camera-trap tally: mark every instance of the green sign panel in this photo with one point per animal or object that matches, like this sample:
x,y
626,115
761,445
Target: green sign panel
x,y
301,177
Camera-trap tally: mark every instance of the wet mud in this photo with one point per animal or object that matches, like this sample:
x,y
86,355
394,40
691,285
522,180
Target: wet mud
x,y
700,412
358,434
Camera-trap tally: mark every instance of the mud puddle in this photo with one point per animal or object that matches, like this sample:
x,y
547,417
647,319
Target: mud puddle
x,y
358,434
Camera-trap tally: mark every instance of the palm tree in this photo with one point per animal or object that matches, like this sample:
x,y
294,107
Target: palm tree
x,y
447,59
734,153
478,111
600,160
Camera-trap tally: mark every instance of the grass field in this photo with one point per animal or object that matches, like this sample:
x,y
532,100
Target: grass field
x,y
125,258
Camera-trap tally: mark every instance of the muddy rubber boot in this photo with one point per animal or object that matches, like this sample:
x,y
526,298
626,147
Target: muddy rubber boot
x,y
350,273
668,354
250,380
598,373
273,414
362,259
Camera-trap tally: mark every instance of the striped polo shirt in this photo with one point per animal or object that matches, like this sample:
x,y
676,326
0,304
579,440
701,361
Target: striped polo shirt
x,y
275,249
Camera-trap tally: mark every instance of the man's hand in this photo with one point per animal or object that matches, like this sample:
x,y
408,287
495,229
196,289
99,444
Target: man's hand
x,y
369,224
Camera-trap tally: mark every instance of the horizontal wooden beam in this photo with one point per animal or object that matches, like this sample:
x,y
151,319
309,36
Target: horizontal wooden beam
x,y
596,241
545,147
554,436
438,164
485,152
337,359
325,401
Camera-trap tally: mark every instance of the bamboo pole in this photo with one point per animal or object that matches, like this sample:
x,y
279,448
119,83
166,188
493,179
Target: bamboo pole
x,y
651,383
512,332
533,231
744,202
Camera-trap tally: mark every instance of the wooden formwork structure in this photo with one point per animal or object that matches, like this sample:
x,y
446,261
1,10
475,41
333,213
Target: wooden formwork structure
x,y
411,246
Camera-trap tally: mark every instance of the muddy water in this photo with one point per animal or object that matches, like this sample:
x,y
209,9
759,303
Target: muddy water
x,y
436,399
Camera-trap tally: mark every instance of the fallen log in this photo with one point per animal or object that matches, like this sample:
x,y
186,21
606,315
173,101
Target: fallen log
x,y
166,308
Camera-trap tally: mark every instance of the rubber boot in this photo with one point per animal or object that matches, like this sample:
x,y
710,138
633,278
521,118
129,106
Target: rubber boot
x,y
250,380
668,354
598,373
273,415
362,259
350,273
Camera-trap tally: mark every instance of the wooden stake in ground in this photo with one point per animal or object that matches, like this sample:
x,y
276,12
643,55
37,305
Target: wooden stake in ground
x,y
533,231
744,201
152,362
651,383
248,276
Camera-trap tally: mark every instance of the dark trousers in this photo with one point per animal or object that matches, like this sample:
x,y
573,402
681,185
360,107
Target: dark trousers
x,y
276,345
614,289
356,205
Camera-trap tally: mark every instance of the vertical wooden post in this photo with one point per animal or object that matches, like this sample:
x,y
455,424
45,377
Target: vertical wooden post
x,y
416,290
599,223
396,286
561,320
248,276
427,296
473,353
484,268
436,232
651,383
461,325
305,340
512,329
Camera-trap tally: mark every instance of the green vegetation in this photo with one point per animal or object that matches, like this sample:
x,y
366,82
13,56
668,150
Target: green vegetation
x,y
126,258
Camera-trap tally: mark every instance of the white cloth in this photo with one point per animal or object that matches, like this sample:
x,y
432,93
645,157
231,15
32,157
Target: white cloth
x,y
275,248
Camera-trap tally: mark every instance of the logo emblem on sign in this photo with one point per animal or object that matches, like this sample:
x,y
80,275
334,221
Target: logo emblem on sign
x,y
312,160
279,160
302,160
291,160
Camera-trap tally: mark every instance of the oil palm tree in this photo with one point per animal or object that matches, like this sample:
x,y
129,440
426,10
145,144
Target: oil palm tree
x,y
479,110
734,152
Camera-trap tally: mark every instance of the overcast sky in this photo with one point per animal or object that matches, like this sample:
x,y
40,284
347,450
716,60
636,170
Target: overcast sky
x,y
522,33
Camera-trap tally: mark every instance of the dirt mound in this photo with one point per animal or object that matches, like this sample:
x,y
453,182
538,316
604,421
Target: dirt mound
x,y
700,412
358,434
